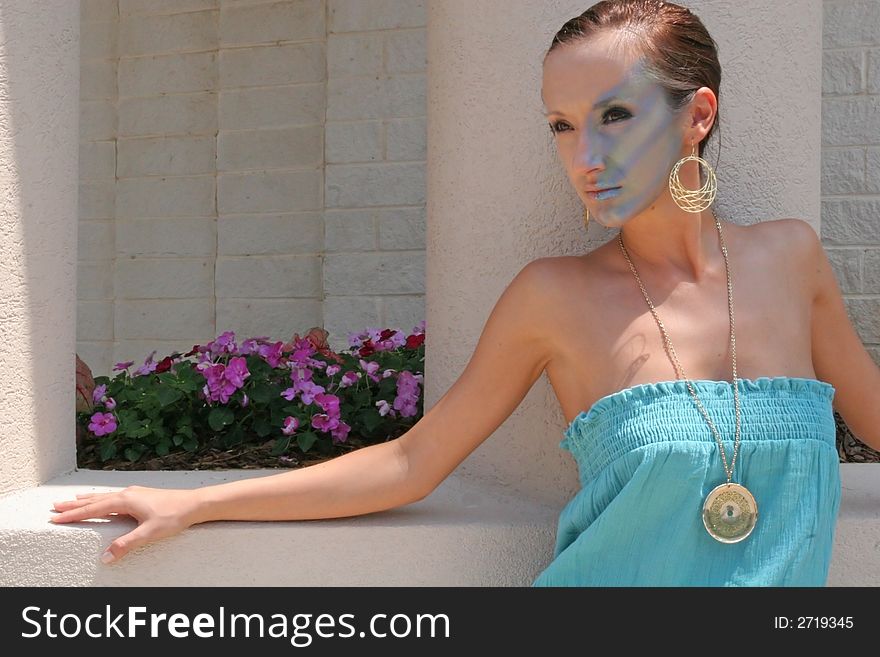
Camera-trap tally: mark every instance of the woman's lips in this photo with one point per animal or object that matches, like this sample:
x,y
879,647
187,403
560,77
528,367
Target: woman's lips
x,y
605,193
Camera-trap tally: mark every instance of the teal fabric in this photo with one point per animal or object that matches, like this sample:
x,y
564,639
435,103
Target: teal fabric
x,y
647,459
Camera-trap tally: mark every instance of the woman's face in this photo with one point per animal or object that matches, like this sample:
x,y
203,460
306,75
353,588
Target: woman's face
x,y
612,128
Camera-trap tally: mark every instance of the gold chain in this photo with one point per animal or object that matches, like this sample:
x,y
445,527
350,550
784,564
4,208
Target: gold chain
x,y
668,344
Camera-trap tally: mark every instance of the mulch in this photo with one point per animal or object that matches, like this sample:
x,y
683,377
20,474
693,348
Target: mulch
x,y
850,448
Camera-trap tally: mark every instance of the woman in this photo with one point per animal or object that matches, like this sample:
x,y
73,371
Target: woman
x,y
632,92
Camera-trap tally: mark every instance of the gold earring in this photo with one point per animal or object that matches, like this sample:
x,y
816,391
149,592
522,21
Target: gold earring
x,y
586,218
692,200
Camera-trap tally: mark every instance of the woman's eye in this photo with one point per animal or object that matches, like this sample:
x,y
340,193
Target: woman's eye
x,y
560,126
615,110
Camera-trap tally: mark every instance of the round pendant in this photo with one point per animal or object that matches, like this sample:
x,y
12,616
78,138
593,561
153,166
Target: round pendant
x,y
730,513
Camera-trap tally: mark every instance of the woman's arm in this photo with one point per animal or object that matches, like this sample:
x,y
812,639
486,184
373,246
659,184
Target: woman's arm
x,y
512,351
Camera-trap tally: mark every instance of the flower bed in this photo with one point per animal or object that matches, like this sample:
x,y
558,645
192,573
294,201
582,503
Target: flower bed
x,y
262,403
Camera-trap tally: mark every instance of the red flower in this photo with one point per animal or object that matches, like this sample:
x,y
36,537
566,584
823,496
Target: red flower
x,y
164,365
414,341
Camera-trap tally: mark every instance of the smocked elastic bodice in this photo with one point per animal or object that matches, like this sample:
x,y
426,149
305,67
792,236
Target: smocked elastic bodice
x,y
647,458
771,408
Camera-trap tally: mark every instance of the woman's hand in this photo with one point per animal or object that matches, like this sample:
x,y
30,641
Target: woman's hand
x,y
160,513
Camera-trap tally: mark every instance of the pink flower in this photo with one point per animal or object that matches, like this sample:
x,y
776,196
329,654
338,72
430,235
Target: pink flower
x,y
102,424
290,425
340,433
324,422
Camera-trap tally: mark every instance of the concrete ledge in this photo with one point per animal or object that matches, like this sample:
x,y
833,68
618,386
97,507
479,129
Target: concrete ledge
x,y
464,534
461,535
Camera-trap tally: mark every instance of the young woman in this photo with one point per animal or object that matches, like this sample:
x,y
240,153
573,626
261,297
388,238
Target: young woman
x,y
687,478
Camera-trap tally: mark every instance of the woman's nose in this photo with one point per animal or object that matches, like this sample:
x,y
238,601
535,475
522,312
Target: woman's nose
x,y
587,153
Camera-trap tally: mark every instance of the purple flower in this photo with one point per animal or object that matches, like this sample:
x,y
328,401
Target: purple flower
x,y
237,371
407,393
148,366
224,380
329,403
99,392
370,368
272,353
224,344
340,433
290,425
110,403
123,366
349,379
308,390
102,424
384,408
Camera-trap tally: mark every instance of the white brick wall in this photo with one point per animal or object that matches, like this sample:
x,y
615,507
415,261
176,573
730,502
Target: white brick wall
x,y
851,158
374,194
248,165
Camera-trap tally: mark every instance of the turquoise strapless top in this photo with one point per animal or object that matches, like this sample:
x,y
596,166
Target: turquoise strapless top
x,y
647,459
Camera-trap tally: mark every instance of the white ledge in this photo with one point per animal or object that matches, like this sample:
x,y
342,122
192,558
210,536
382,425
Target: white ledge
x,y
463,534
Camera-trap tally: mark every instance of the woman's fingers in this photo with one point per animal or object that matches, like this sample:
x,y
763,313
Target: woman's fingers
x,y
82,499
97,509
140,535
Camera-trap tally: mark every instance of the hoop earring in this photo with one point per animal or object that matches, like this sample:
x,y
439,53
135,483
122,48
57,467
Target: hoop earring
x,y
586,219
692,200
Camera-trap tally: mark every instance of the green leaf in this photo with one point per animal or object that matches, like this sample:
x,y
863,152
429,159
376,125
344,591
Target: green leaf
x,y
190,444
163,447
108,450
280,446
166,395
263,393
133,453
370,418
178,440
262,427
305,440
220,417
234,437
363,397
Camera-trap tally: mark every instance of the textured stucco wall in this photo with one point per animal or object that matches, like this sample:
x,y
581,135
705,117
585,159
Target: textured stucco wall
x,y
498,198
39,90
249,166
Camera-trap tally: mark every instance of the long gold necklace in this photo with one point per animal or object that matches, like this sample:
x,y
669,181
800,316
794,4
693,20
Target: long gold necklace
x,y
729,510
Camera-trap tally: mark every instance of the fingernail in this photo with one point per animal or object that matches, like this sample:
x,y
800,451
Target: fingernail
x,y
107,557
